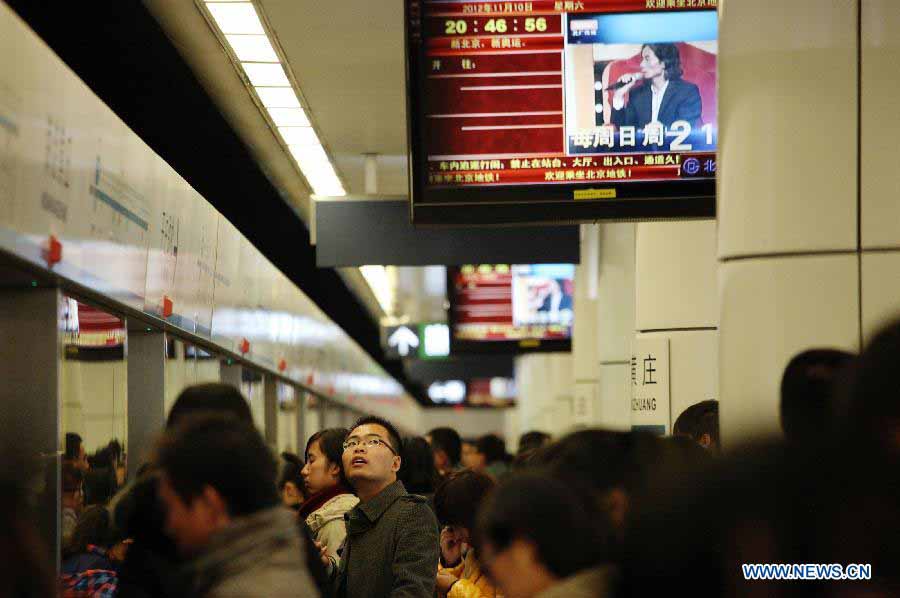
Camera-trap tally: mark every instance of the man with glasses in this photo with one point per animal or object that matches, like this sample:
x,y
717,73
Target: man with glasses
x,y
392,545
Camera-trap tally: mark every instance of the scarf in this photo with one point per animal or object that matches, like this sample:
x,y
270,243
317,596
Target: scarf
x,y
317,500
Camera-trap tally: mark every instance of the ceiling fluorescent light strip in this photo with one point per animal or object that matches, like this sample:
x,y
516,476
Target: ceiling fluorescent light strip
x,y
252,48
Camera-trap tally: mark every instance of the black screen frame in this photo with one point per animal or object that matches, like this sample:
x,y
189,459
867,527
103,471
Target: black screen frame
x,y
529,204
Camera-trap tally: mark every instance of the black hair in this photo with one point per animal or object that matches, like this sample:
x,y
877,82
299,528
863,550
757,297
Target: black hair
x,y
223,452
71,478
73,443
765,504
115,450
458,497
331,444
141,516
102,458
417,470
869,406
532,440
536,507
699,419
807,391
290,471
668,54
594,463
493,448
214,396
393,434
447,440
99,485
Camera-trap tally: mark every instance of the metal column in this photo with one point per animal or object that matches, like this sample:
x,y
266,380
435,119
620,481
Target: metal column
x,y
323,413
30,395
301,421
270,398
230,373
146,395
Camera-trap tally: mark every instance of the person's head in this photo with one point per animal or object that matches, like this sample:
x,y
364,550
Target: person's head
x,y
417,470
531,532
214,468
290,480
215,397
488,449
661,59
324,467
469,455
606,468
372,453
807,391
99,485
75,452
447,447
701,422
869,408
458,498
72,480
532,440
115,451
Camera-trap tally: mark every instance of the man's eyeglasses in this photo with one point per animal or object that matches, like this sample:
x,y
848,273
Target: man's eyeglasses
x,y
351,443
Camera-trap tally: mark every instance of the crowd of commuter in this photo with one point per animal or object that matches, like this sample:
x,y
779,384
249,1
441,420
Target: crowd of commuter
x,y
366,513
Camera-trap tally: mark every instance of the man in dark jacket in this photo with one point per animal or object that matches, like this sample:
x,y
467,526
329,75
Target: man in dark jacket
x,y
218,486
392,545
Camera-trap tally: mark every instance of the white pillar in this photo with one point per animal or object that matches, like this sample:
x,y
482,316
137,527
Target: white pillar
x,y
146,394
787,242
270,407
615,323
676,299
230,373
880,177
585,347
545,384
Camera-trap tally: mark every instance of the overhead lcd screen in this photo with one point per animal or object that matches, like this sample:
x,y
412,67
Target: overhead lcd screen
x,y
511,307
562,111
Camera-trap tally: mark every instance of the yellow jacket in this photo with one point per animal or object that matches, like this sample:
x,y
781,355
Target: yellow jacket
x,y
472,583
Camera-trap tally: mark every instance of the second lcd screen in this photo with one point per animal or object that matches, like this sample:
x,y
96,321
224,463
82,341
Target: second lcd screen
x,y
511,308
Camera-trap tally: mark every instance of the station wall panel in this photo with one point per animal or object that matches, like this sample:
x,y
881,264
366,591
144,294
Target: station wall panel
x,y
134,231
771,310
615,291
675,275
880,291
771,73
880,177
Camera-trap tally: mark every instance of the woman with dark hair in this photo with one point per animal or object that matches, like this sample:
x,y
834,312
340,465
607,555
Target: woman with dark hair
x,y
664,97
290,481
456,504
329,493
417,470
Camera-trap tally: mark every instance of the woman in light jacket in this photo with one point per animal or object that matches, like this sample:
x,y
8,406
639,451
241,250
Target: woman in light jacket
x,y
327,488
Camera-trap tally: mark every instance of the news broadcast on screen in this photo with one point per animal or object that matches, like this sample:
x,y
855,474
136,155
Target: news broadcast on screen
x,y
511,307
545,100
